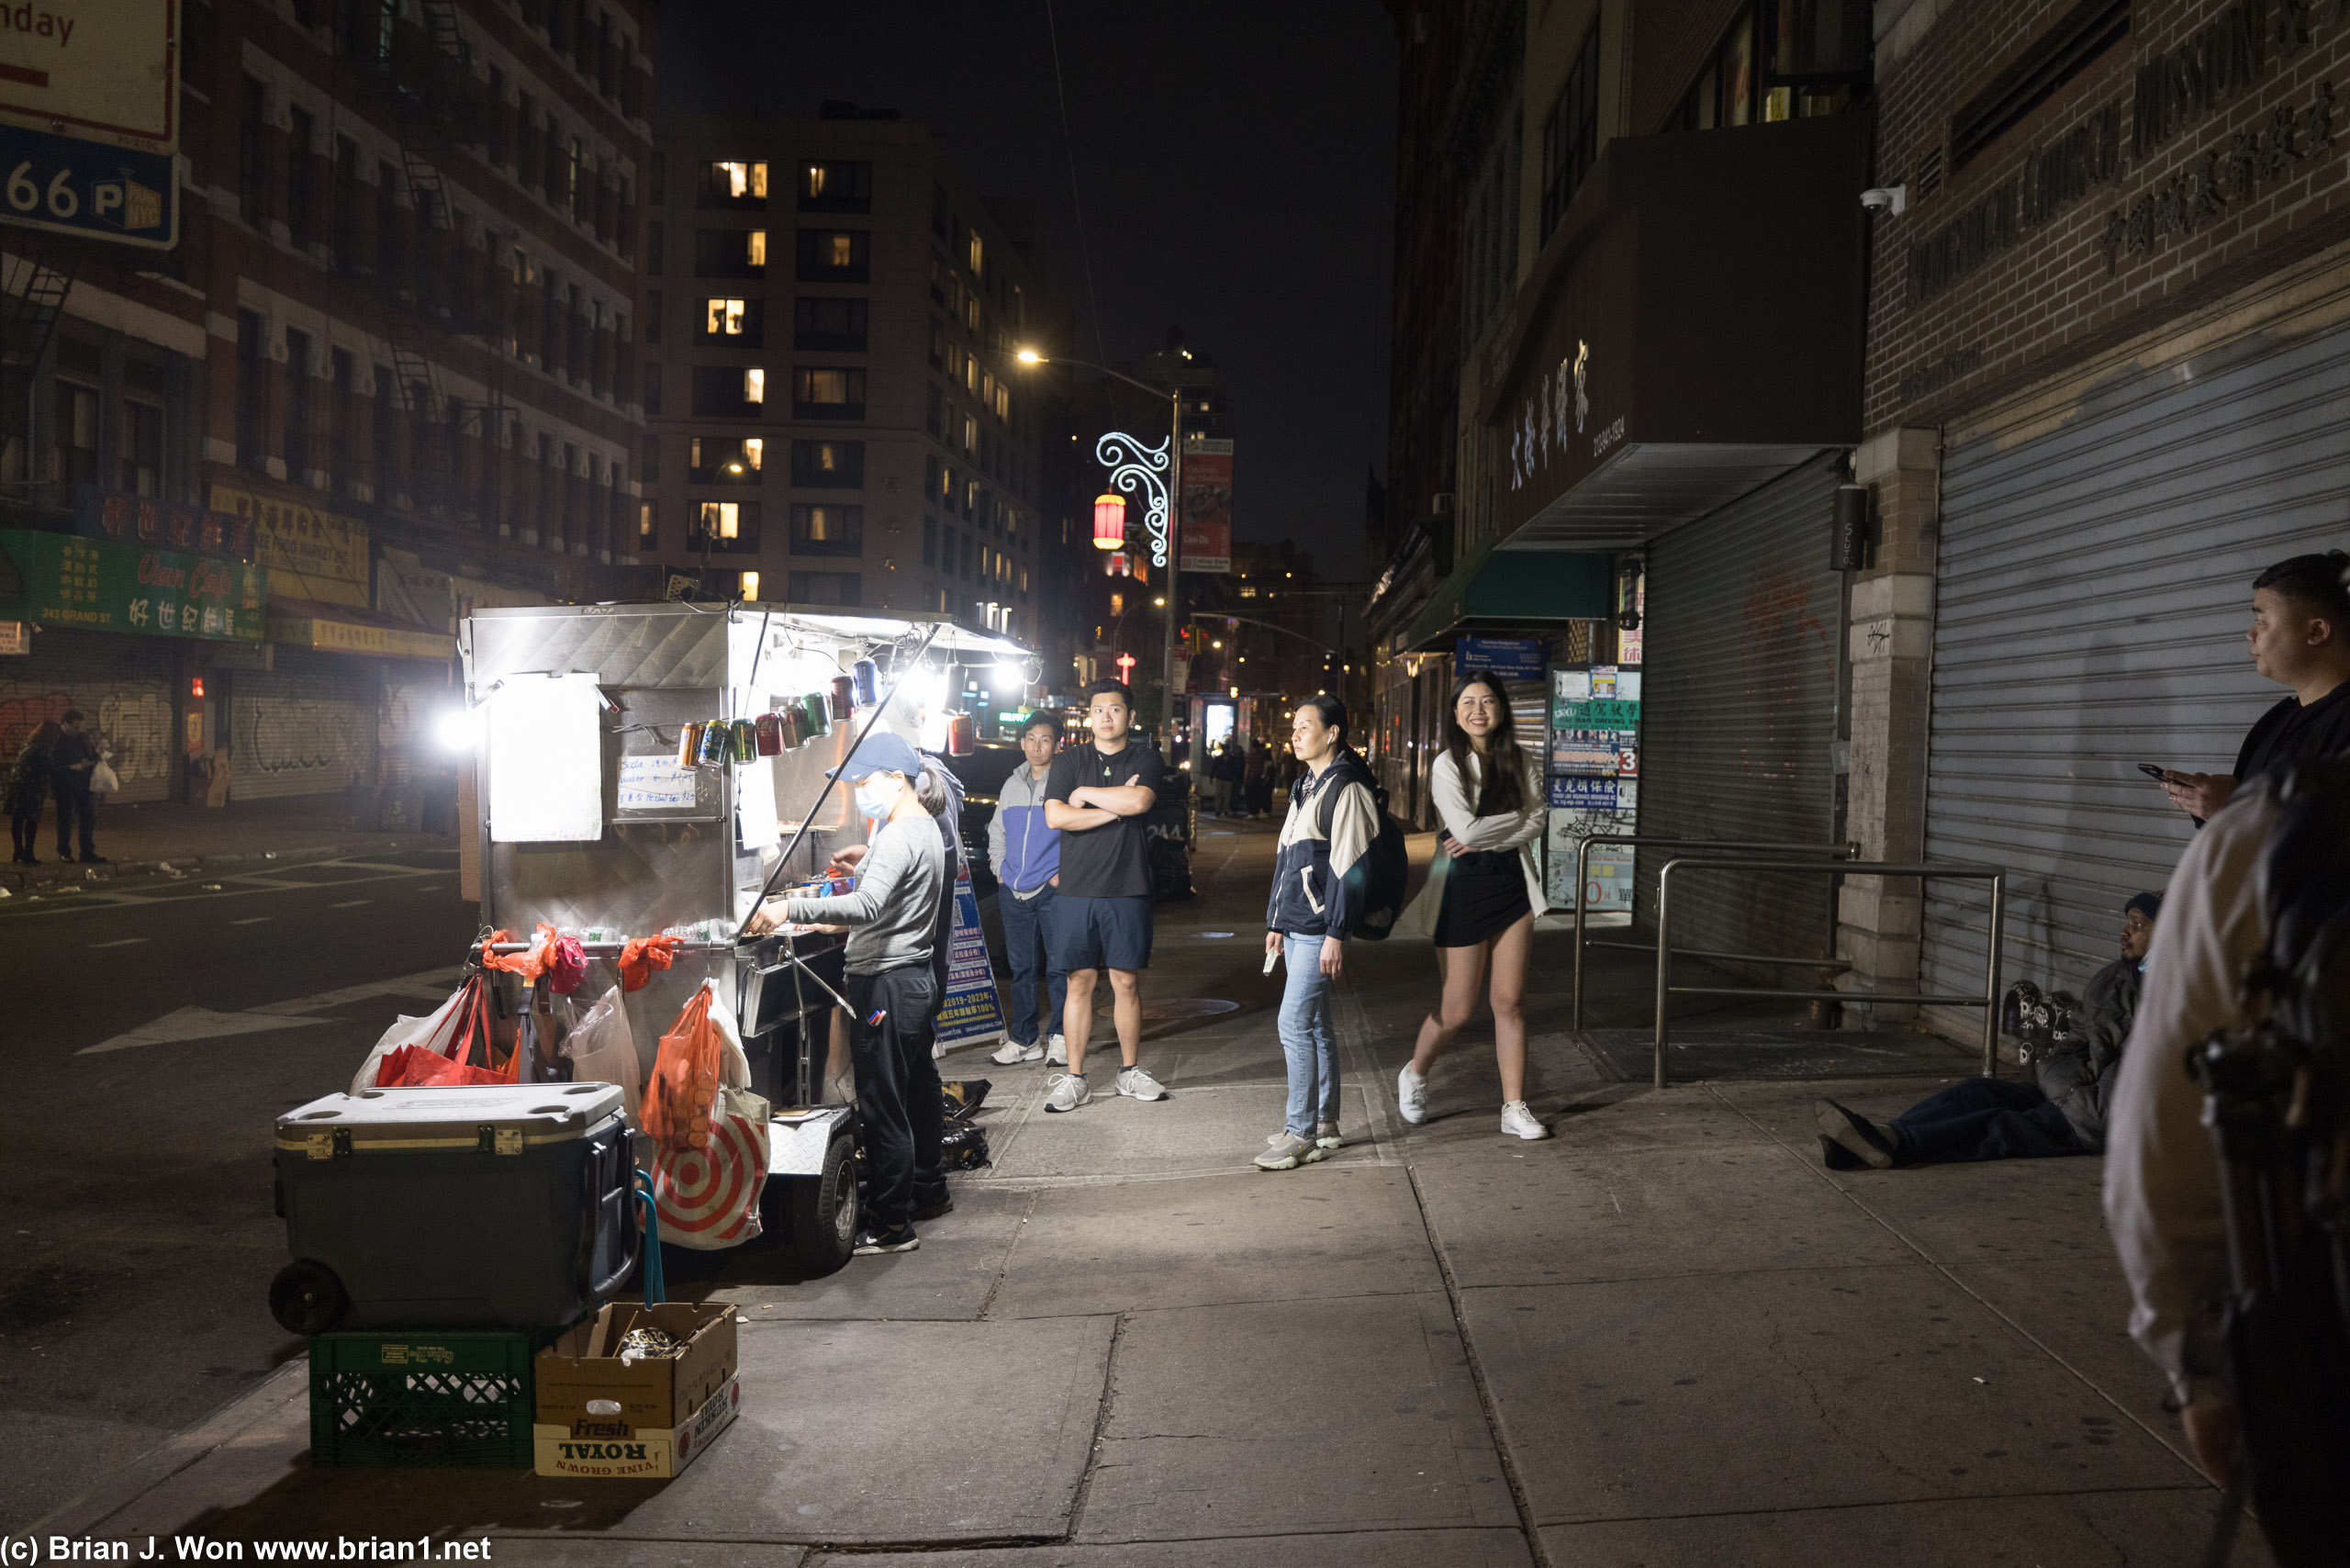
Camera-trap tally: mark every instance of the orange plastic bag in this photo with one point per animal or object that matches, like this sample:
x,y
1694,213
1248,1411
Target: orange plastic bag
x,y
421,1067
681,1101
530,965
640,955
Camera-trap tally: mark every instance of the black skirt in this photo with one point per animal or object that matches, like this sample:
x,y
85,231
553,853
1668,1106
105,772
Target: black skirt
x,y
1483,897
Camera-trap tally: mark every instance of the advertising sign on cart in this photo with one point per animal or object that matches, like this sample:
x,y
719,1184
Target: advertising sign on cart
x,y
970,1013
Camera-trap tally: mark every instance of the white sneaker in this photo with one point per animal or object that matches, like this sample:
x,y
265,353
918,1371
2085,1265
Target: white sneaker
x,y
1056,1054
1067,1092
1014,1053
1412,1095
1134,1083
1519,1122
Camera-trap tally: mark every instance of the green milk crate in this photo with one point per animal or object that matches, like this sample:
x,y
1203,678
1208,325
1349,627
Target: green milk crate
x,y
434,1398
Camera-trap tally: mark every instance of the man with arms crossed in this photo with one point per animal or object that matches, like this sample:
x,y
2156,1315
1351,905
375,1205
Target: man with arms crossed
x,y
1096,797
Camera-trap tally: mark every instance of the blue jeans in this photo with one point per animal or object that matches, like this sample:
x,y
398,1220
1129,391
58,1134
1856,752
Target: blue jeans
x,y
1983,1118
1028,943
1307,1044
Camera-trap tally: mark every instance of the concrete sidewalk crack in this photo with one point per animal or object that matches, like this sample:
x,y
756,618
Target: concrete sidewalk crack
x,y
1485,1403
1101,1425
1003,1264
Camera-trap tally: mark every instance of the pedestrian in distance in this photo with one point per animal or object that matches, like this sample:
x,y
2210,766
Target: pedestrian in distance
x,y
29,788
72,761
1256,797
2299,638
1027,856
1096,797
1318,891
891,916
2061,1111
1483,889
1227,773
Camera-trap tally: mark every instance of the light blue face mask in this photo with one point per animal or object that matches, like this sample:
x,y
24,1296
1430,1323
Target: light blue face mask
x,y
871,803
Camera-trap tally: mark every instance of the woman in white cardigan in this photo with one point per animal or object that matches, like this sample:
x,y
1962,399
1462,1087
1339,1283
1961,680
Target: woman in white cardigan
x,y
1481,894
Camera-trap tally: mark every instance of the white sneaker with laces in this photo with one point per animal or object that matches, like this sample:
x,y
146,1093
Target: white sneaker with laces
x,y
1412,1095
1518,1121
1056,1053
1067,1092
1014,1053
1136,1084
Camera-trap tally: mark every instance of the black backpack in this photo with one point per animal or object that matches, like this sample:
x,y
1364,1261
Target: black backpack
x,y
1385,868
2278,1102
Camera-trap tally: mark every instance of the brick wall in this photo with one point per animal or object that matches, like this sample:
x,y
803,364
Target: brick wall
x,y
2049,252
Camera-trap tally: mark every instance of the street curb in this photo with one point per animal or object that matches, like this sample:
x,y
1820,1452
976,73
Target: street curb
x,y
64,873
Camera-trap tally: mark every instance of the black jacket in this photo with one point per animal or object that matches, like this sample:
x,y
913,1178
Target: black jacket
x,y
1312,895
2078,1078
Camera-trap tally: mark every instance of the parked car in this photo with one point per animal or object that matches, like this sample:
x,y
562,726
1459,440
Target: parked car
x,y
982,775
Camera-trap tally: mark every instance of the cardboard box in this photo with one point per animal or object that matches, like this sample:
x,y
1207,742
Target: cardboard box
x,y
654,1417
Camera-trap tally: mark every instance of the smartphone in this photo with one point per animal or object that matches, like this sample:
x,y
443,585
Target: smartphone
x,y
2159,775
1272,957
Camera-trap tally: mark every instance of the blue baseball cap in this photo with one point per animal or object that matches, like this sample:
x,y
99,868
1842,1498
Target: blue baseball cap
x,y
880,751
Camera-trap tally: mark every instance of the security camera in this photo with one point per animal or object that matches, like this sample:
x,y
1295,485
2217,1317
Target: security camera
x,y
1882,199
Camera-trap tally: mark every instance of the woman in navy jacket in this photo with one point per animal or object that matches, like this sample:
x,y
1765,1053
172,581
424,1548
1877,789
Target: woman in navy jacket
x,y
1318,890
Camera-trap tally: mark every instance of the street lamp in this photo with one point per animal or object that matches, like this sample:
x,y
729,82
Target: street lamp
x,y
1134,467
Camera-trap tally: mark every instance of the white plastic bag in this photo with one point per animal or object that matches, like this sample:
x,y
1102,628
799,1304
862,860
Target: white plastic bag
x,y
104,780
603,1051
436,1031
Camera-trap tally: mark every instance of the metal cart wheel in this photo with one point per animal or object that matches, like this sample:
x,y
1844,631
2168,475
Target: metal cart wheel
x,y
823,1208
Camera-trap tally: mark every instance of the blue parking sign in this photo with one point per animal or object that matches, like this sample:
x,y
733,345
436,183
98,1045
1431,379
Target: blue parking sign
x,y
89,188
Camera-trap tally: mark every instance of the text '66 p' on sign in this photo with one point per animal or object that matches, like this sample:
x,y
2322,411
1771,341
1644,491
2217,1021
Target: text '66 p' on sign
x,y
88,188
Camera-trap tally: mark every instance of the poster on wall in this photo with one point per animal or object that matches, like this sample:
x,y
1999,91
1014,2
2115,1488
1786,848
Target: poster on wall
x,y
970,1013
1594,783
1207,507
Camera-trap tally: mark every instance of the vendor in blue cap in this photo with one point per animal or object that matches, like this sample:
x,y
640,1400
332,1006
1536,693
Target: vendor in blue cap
x,y
891,918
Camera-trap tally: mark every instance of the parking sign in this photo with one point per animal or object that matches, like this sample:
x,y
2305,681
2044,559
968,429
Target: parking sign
x,y
89,188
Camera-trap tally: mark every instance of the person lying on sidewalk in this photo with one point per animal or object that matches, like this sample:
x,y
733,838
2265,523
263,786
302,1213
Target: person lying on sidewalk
x,y
1990,1118
1318,891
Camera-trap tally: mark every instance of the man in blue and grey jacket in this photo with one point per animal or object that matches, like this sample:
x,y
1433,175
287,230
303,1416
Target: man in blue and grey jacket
x,y
1027,858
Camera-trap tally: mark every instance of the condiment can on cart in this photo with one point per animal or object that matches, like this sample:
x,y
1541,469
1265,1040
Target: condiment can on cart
x,y
794,724
746,741
688,745
844,699
962,735
770,734
867,675
717,741
813,706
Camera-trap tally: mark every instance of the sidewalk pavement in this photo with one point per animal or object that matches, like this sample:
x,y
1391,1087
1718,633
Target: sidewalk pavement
x,y
1666,1336
154,835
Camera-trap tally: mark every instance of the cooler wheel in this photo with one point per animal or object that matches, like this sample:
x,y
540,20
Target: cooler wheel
x,y
307,1298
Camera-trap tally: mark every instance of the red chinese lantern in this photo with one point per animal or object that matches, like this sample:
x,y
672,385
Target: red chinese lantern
x,y
1109,521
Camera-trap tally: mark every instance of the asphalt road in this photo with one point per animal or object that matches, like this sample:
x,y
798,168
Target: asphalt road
x,y
137,1240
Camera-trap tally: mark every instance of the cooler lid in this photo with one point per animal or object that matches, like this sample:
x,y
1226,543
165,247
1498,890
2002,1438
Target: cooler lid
x,y
502,1118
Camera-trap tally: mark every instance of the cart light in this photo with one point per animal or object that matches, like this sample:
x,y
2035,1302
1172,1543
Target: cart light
x,y
456,729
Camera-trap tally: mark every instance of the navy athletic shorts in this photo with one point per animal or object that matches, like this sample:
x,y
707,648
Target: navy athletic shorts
x,y
1098,933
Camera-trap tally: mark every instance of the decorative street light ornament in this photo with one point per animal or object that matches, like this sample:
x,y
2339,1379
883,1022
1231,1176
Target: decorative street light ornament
x,y
1109,523
1135,467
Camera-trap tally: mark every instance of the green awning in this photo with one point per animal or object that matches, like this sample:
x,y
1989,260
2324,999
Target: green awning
x,y
1498,591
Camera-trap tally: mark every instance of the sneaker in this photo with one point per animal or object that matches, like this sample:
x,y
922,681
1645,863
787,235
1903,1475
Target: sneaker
x,y
1014,1053
1318,1149
1855,1133
1834,1156
1056,1053
901,1239
1136,1084
1412,1095
1326,1136
1067,1092
1518,1121
1288,1152
937,1208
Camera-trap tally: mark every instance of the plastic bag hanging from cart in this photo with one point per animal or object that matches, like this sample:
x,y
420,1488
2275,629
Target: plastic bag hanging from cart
x,y
420,1067
710,1163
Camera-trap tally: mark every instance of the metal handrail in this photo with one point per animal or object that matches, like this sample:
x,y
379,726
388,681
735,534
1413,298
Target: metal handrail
x,y
1583,870
1989,1001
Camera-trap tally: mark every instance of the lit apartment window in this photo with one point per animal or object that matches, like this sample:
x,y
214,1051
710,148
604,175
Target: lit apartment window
x,y
836,187
648,532
750,588
724,317
979,257
970,435
726,526
826,529
754,248
833,255
754,385
828,464
1004,402
732,180
725,460
828,393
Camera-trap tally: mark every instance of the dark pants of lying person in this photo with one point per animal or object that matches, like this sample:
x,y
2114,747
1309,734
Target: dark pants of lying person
x,y
898,1116
1983,1118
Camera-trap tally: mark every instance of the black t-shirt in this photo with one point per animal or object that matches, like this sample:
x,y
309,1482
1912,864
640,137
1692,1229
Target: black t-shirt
x,y
70,750
2289,733
1110,861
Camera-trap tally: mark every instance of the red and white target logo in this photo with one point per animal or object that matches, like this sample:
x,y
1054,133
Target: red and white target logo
x,y
711,1196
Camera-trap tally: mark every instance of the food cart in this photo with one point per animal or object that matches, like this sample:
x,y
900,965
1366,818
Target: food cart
x,y
660,769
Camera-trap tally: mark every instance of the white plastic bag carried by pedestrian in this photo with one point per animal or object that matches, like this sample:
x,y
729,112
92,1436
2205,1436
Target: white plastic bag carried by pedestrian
x,y
602,1049
103,778
437,1031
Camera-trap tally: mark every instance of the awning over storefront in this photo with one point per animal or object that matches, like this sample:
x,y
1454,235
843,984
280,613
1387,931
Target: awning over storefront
x,y
1496,590
1691,331
339,629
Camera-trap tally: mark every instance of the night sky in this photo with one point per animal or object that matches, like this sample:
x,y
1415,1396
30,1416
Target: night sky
x,y
1235,162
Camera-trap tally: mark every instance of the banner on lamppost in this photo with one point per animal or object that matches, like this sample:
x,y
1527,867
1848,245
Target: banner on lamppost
x,y
1207,507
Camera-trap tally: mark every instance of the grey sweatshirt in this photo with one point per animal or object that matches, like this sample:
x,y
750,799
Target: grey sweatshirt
x,y
894,909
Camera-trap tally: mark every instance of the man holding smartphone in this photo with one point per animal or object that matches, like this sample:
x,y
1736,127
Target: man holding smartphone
x,y
2301,639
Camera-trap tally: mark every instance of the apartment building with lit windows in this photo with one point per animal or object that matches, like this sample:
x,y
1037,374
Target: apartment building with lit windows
x,y
834,414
